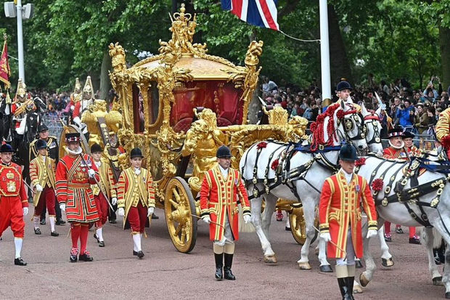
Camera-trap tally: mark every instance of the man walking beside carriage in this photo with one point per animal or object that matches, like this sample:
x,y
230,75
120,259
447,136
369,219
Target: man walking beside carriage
x,y
341,199
136,199
221,192
42,175
74,175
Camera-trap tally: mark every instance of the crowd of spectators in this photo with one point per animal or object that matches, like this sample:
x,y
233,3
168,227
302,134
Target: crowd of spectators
x,y
413,109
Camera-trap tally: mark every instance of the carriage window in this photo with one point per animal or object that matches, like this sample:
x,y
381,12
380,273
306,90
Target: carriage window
x,y
138,110
153,102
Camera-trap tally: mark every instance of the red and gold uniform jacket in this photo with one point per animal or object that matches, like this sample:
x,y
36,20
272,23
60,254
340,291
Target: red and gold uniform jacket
x,y
106,181
392,153
12,188
133,189
340,208
414,151
219,198
42,172
73,187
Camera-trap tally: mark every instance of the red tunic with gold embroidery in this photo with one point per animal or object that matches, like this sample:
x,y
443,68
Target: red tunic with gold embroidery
x,y
13,197
73,188
220,197
392,153
340,208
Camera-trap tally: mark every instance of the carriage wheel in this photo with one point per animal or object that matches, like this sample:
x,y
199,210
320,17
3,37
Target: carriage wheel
x,y
298,226
179,208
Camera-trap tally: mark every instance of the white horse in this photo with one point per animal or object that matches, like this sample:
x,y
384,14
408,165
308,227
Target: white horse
x,y
273,170
403,189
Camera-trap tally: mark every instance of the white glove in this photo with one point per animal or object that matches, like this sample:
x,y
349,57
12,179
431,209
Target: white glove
x,y
150,211
114,201
72,107
62,206
91,173
137,171
325,236
25,211
39,188
371,233
206,219
121,212
247,219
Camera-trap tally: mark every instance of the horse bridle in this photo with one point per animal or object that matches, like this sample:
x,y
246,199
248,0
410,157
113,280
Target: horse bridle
x,y
348,126
372,119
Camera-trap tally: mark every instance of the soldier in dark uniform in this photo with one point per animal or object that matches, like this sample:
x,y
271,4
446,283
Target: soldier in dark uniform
x,y
53,152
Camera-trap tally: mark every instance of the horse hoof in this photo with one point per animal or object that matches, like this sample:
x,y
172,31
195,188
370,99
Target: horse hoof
x,y
326,269
270,259
304,266
357,289
363,280
438,281
447,295
387,262
359,264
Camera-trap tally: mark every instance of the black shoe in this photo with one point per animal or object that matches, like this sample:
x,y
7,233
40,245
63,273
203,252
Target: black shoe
x,y
227,269
140,254
43,222
287,228
399,230
135,253
19,262
414,241
112,221
37,231
74,255
85,257
60,222
154,217
101,244
54,233
219,265
387,238
344,289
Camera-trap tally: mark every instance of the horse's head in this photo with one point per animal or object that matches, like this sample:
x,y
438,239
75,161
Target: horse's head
x,y
350,126
373,126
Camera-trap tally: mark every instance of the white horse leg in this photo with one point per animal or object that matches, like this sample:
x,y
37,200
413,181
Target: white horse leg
x,y
446,277
428,240
269,255
367,275
386,256
269,209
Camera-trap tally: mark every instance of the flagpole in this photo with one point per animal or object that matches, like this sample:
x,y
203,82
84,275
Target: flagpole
x,y
325,53
20,41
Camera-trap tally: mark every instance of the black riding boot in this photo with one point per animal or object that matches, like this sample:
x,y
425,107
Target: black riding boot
x,y
228,262
344,289
219,266
350,281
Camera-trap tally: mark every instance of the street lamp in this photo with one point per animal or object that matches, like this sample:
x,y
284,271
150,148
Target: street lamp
x,y
15,9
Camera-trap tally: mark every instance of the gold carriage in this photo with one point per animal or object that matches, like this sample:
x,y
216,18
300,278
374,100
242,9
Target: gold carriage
x,y
179,107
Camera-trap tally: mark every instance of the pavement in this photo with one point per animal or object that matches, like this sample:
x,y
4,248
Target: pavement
x,y
165,273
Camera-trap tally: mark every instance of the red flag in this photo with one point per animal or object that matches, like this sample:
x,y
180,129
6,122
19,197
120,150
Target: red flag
x,y
5,72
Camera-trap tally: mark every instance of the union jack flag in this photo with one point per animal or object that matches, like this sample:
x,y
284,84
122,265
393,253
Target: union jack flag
x,y
262,13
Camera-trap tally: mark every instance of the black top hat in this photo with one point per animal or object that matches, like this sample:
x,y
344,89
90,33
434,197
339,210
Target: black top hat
x,y
72,137
394,132
223,152
343,85
42,128
41,144
408,134
6,148
96,148
136,152
348,153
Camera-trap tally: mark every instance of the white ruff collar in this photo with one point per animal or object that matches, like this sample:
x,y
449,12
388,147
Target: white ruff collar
x,y
76,152
397,147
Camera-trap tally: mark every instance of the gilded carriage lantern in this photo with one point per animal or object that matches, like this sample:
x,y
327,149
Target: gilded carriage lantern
x,y
179,106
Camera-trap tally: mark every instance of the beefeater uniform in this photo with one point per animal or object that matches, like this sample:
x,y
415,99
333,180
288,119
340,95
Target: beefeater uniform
x,y
219,197
73,189
392,153
13,198
135,194
42,172
340,208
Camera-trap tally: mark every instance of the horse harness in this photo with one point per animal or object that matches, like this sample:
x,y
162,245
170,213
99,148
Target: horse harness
x,y
410,196
281,165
